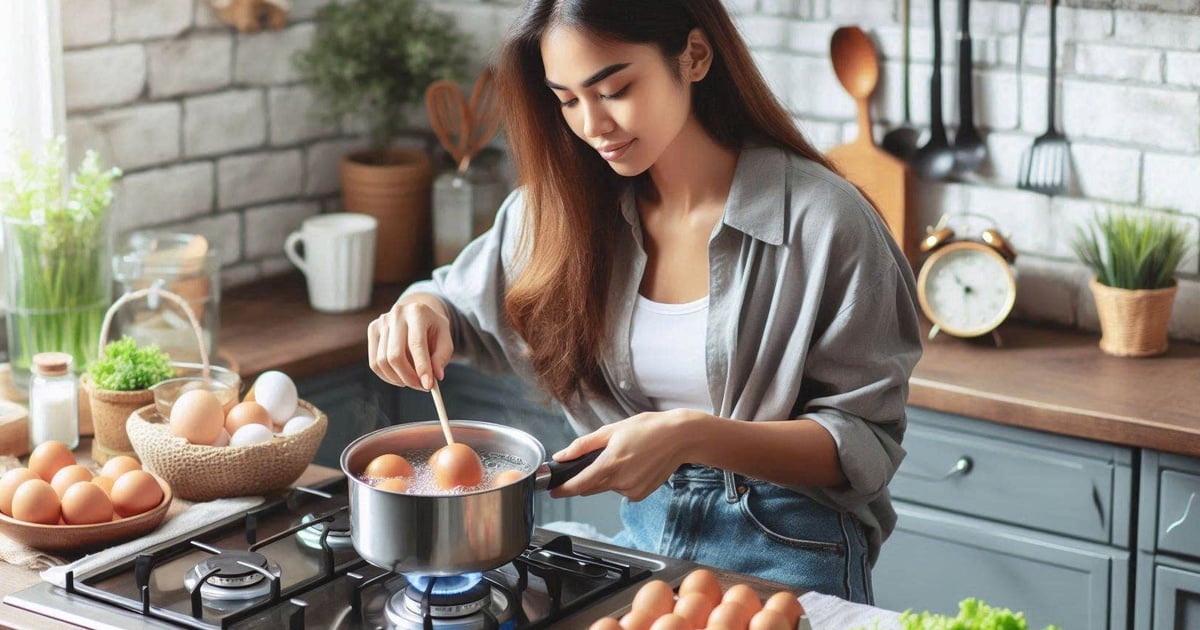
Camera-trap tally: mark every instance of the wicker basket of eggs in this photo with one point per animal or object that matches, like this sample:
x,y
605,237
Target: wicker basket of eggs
x,y
207,445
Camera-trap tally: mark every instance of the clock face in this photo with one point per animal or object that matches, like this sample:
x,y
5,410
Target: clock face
x,y
967,289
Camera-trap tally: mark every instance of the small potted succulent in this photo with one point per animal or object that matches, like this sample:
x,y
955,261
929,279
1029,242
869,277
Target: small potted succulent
x,y
371,61
1134,259
118,383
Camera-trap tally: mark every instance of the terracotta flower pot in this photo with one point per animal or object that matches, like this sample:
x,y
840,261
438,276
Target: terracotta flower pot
x,y
1133,323
110,410
394,187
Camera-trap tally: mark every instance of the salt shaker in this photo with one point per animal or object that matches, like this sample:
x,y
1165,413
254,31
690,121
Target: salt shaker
x,y
53,400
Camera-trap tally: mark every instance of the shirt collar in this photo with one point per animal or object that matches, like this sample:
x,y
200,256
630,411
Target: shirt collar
x,y
756,199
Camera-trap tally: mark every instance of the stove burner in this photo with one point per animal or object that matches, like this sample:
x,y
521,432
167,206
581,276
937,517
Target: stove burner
x,y
462,602
339,532
235,579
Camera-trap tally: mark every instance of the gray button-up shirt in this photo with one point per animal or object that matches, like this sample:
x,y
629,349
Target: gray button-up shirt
x,y
811,314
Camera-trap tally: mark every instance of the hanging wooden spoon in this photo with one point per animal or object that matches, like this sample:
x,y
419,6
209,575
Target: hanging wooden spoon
x,y
485,116
450,116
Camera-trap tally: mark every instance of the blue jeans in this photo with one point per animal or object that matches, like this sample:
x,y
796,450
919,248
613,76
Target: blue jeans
x,y
751,527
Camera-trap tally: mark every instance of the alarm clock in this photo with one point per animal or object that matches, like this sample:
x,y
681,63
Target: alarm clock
x,y
966,287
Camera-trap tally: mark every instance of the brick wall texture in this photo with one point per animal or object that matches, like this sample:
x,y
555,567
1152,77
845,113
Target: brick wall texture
x,y
215,132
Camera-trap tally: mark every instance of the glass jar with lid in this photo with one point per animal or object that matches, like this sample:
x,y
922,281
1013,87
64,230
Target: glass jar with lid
x,y
53,400
184,264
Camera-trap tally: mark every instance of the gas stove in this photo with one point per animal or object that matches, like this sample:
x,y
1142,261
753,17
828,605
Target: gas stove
x,y
290,563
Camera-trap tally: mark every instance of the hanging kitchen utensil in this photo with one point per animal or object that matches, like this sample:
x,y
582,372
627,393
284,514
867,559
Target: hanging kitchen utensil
x,y
449,534
485,116
935,160
969,149
902,141
450,116
1044,166
441,411
884,178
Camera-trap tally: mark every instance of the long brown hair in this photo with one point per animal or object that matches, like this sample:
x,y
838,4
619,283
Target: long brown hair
x,y
572,197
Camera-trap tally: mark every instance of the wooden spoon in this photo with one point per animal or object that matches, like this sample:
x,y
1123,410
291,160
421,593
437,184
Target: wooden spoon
x,y
450,116
857,68
441,409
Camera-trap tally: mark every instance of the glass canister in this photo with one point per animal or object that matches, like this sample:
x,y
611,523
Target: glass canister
x,y
464,205
53,401
183,264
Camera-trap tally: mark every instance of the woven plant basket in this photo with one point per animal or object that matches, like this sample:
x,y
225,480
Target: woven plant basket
x,y
110,410
1133,323
204,473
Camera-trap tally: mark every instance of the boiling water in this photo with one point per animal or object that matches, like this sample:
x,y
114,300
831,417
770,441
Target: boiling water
x,y
422,481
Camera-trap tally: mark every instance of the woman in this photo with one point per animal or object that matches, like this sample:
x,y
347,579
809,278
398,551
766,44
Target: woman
x,y
713,306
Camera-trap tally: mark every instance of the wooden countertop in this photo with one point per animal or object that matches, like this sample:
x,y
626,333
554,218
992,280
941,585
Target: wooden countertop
x,y
1042,378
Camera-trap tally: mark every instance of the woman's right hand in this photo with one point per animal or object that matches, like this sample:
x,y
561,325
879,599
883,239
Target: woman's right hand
x,y
410,345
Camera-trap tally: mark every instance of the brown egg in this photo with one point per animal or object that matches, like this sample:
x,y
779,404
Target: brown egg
x,y
729,616
104,483
118,466
388,465
507,477
135,492
197,417
36,502
767,619
744,595
655,597
67,476
456,465
702,581
638,620
786,603
246,413
393,484
8,486
671,622
85,503
607,623
694,607
48,458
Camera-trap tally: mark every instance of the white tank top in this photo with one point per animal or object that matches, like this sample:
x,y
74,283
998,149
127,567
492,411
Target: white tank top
x,y
667,351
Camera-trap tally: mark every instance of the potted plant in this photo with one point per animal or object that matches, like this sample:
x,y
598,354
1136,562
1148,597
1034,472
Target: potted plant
x,y
118,384
371,60
1134,261
57,251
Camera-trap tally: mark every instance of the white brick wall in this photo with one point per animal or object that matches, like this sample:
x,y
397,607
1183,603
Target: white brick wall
x,y
194,107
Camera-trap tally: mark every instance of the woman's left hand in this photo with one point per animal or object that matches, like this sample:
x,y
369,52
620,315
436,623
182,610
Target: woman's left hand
x,y
640,453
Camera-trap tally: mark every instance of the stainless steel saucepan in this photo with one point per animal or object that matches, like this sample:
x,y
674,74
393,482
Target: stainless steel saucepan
x,y
449,534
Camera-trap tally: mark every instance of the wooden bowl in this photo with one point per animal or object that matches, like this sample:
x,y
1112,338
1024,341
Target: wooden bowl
x,y
85,537
204,473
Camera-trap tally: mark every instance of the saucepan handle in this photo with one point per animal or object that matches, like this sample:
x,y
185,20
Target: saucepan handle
x,y
553,474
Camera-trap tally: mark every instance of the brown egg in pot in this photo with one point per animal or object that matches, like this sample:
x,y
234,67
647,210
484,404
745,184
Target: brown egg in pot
x,y
394,484
456,465
387,466
508,477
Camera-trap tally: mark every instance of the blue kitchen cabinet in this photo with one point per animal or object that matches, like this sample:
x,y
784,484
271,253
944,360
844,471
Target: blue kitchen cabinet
x,y
1022,519
1168,575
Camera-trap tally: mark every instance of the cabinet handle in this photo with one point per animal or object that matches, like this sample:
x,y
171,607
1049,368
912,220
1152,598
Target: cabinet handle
x,y
959,469
1187,510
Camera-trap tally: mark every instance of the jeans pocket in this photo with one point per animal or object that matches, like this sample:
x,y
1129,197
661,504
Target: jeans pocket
x,y
792,519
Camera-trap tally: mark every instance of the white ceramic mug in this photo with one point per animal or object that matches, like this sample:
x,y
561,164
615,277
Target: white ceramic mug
x,y
338,261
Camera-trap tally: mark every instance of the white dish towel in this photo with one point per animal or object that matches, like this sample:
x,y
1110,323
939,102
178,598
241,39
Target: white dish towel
x,y
197,516
826,612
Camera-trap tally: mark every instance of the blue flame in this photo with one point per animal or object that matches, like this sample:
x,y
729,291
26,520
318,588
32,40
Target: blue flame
x,y
445,585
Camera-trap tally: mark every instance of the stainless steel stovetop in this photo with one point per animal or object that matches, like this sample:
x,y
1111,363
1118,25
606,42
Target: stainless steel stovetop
x,y
289,563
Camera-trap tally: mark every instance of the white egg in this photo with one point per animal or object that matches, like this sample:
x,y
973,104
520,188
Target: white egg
x,y
298,424
251,434
275,391
223,439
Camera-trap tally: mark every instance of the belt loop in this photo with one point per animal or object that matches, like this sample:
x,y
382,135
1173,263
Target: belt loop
x,y
731,489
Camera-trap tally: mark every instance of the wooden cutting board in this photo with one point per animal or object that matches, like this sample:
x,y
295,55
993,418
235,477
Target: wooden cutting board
x,y
886,181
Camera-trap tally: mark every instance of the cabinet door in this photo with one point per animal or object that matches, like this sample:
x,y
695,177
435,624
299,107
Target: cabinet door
x,y
1176,599
354,403
935,559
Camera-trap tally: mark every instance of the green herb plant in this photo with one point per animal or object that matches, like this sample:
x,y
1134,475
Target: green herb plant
x,y
973,614
125,367
374,57
57,237
1132,252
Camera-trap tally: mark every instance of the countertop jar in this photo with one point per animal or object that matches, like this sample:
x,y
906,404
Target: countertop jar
x,y
53,400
